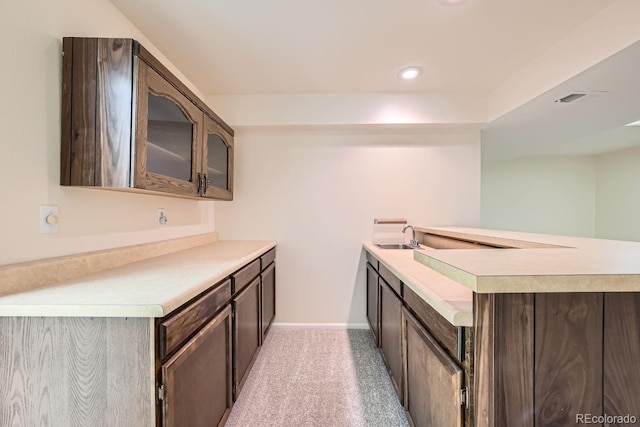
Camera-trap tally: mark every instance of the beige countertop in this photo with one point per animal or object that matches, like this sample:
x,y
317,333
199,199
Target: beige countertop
x,y
149,288
535,262
452,300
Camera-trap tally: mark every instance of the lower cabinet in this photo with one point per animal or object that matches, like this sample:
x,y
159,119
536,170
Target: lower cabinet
x,y
372,301
433,379
391,335
197,379
426,356
247,333
268,295
175,371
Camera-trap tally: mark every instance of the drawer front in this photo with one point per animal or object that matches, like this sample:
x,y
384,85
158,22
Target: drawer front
x,y
372,260
390,278
176,329
242,278
268,258
438,326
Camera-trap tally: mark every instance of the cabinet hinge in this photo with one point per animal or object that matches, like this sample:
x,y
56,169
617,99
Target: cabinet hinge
x,y
161,392
464,397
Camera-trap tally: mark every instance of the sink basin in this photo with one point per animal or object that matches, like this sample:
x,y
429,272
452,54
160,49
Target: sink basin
x,y
394,246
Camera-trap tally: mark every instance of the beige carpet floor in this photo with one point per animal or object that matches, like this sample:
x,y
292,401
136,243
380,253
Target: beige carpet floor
x,y
318,377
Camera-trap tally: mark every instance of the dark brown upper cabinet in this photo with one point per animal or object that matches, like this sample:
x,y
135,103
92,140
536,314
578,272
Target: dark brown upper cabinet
x,y
129,124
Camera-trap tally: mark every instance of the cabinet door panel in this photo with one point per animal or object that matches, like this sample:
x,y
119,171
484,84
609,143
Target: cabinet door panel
x,y
391,335
177,328
197,378
168,136
217,161
372,301
247,333
268,298
433,380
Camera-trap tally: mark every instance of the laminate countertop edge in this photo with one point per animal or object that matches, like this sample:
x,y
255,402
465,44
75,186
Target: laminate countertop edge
x,y
534,263
150,288
450,299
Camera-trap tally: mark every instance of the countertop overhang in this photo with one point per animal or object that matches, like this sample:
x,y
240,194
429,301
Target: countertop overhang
x,y
452,300
150,288
534,262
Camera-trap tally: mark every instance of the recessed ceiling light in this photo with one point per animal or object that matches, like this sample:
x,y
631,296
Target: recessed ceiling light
x,y
636,123
409,73
451,2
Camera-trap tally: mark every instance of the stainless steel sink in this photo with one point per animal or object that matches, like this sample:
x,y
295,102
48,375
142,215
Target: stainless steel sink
x,y
395,246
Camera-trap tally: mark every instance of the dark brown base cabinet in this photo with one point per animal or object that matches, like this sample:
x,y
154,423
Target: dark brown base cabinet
x,y
391,335
197,379
247,333
206,349
268,295
548,359
175,371
433,379
373,307
428,364
530,360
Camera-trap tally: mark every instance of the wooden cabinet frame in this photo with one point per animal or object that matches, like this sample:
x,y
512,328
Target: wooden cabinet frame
x,y
149,81
105,90
193,399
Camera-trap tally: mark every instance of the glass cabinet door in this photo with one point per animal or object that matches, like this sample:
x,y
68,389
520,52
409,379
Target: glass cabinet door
x,y
217,165
167,136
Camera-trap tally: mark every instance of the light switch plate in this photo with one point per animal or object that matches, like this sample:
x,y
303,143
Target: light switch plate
x,y
49,219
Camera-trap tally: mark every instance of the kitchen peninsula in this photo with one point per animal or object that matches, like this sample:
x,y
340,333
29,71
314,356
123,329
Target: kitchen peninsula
x,y
554,331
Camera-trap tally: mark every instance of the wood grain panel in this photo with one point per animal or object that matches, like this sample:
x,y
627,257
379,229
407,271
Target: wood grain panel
x,y
514,361
185,322
391,336
268,295
484,399
433,379
245,275
83,100
76,372
113,112
65,122
247,333
373,295
621,354
149,81
197,378
568,357
267,258
212,127
391,279
443,331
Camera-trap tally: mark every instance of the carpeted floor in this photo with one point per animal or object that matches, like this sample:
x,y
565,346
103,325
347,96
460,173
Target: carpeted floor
x,y
318,377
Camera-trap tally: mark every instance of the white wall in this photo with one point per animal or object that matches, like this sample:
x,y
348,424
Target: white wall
x,y
317,192
30,84
618,194
552,195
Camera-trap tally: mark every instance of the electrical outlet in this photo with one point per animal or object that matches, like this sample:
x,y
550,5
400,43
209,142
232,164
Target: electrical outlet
x,y
162,218
49,219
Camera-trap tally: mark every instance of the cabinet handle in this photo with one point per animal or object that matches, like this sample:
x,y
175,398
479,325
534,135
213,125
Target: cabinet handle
x,y
199,183
206,184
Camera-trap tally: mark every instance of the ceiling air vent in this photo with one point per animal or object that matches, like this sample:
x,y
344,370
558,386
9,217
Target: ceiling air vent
x,y
571,97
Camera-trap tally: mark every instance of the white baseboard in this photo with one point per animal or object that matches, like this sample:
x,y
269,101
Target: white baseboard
x,y
322,325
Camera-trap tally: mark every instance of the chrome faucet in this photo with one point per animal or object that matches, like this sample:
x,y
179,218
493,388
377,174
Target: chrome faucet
x,y
413,243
